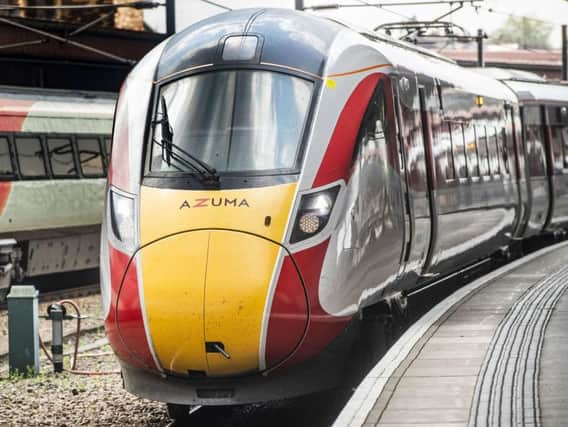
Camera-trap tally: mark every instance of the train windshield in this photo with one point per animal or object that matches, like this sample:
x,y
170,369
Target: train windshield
x,y
233,121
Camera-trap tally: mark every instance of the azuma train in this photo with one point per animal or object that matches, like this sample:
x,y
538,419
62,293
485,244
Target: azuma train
x,y
274,175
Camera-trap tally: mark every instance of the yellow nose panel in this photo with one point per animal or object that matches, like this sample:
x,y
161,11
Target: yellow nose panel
x,y
206,285
173,272
239,270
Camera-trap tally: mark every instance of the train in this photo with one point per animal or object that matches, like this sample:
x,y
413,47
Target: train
x,y
54,152
276,175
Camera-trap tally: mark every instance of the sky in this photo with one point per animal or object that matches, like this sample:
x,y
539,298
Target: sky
x,y
489,16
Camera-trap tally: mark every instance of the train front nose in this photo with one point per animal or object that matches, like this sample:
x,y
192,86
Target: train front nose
x,y
205,294
207,278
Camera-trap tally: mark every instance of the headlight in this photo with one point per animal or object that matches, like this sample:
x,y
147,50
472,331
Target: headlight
x,y
122,218
313,213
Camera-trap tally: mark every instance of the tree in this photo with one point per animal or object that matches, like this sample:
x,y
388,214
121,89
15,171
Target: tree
x,y
527,33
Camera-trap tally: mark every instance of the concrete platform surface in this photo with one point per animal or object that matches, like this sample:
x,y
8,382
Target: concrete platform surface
x,y
494,353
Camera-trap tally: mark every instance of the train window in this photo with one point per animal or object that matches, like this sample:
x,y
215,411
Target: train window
x,y
532,115
558,159
502,147
482,153
30,157
558,115
5,158
492,150
458,150
471,150
236,121
371,139
90,156
535,150
564,134
444,148
60,153
108,147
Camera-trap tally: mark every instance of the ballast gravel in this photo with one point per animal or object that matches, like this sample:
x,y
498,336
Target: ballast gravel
x,y
68,399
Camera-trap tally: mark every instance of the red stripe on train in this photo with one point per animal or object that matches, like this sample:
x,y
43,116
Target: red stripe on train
x,y
124,324
322,329
13,113
5,189
336,163
286,324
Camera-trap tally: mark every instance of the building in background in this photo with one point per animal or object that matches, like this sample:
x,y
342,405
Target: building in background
x,y
123,19
65,48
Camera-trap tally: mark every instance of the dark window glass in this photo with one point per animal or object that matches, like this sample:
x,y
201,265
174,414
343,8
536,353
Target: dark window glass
x,y
564,134
557,148
558,115
493,150
458,150
30,156
108,146
90,156
533,115
482,150
502,147
444,152
535,150
234,120
471,151
60,152
5,158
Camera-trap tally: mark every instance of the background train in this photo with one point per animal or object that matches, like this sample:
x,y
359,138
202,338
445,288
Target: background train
x,y
54,149
276,175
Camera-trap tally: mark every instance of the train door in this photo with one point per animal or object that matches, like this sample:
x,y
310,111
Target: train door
x,y
515,150
533,131
418,227
403,174
550,167
430,178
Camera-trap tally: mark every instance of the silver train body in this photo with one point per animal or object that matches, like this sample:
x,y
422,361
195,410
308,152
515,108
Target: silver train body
x,y
349,168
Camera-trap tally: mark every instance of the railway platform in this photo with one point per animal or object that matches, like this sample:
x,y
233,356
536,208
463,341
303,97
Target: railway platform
x,y
494,353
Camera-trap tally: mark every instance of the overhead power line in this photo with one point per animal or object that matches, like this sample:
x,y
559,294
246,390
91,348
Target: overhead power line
x,y
219,5
392,4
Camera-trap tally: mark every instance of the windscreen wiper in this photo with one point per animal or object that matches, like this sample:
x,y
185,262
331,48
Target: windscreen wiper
x,y
204,169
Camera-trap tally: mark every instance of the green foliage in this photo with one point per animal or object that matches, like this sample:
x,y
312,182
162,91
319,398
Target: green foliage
x,y
527,33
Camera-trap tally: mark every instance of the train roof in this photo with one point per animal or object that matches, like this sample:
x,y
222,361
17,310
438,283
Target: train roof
x,y
303,42
553,92
509,74
308,37
55,111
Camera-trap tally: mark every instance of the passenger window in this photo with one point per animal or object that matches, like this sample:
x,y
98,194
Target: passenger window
x,y
60,153
6,168
108,146
492,150
482,154
458,150
502,147
564,133
558,158
446,150
30,157
90,157
535,150
371,141
471,151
